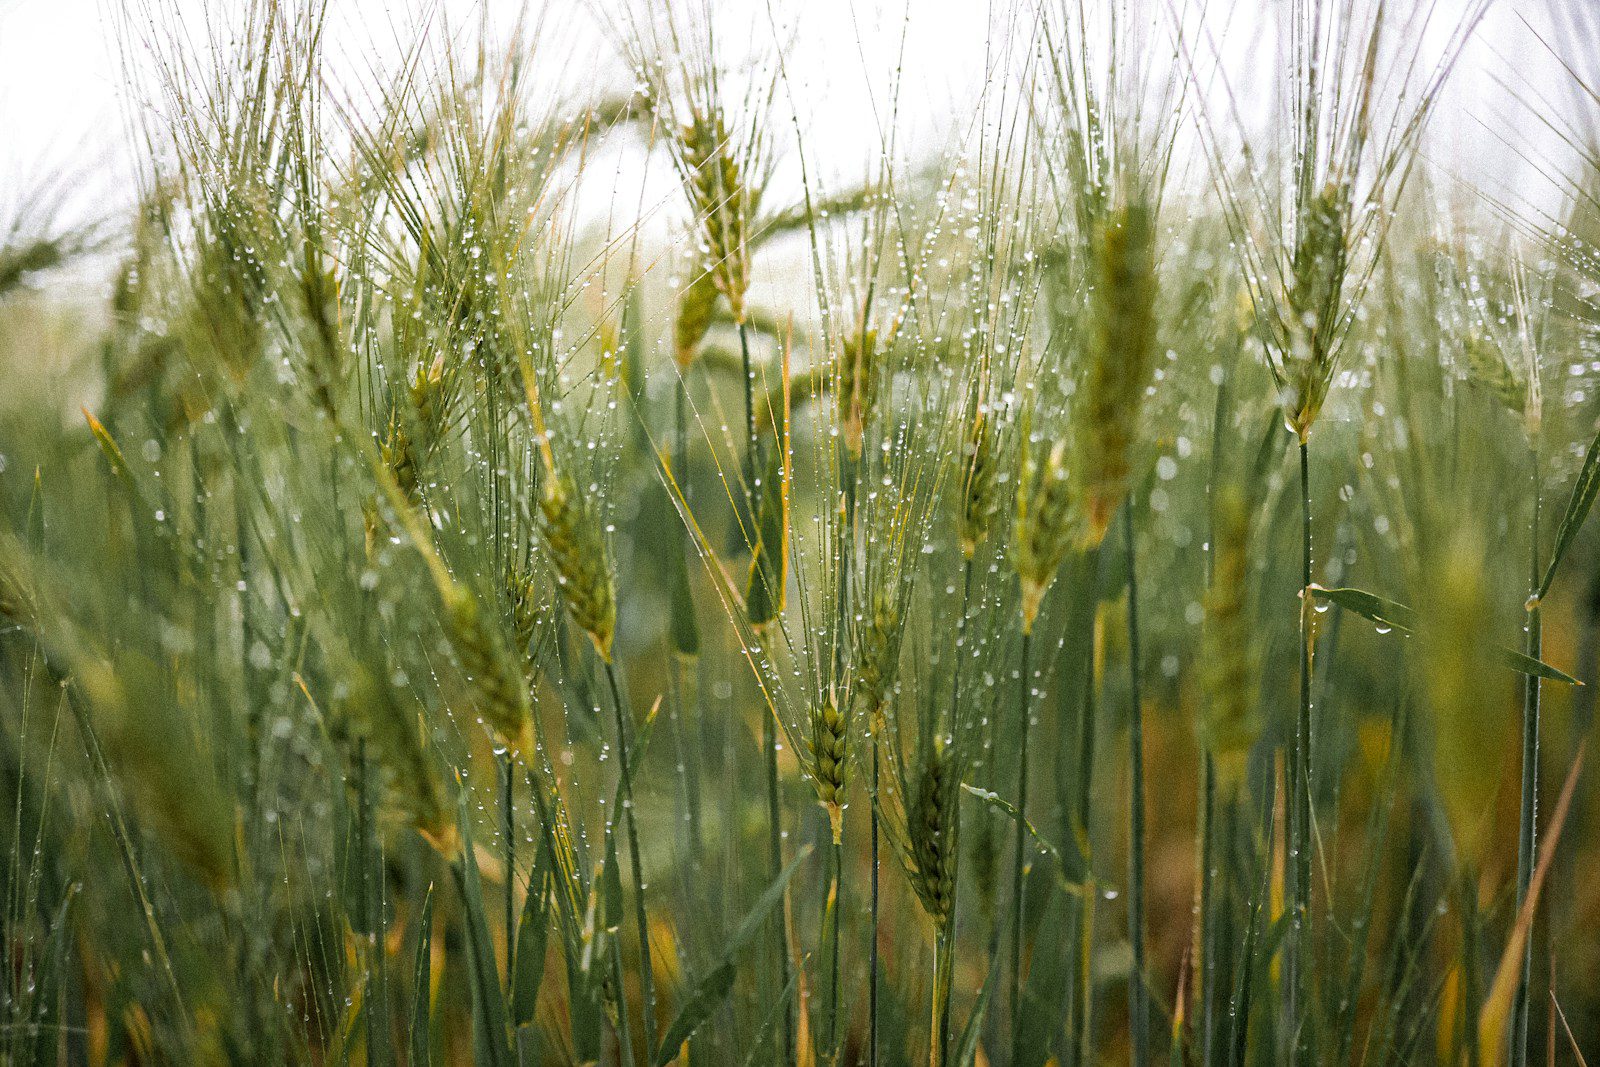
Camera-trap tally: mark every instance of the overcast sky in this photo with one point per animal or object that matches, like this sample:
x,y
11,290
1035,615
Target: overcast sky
x,y
62,105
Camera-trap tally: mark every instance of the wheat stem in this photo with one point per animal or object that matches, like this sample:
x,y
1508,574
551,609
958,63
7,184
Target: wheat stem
x,y
955,698
872,952
943,971
624,1038
1084,930
688,701
1024,713
1204,944
1138,1000
368,907
508,813
961,639
1204,961
1300,809
691,740
641,918
834,905
752,451
769,746
1527,823
848,472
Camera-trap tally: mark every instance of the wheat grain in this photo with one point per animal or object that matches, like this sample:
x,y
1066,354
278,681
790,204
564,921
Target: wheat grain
x,y
830,737
1122,346
581,560
1043,535
1228,723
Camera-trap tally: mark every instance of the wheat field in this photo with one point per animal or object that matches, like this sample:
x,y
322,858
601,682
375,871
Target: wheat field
x,y
507,565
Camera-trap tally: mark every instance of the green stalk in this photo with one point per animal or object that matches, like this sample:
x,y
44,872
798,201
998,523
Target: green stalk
x,y
1256,906
769,740
943,969
691,772
1206,851
947,963
1083,932
833,922
955,700
375,1017
1360,926
872,952
848,473
1138,999
1206,964
1527,823
496,495
690,828
1020,843
680,448
769,745
752,450
1300,795
509,828
641,919
624,1038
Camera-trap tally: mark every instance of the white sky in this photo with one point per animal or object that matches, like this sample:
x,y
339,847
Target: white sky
x,y
61,102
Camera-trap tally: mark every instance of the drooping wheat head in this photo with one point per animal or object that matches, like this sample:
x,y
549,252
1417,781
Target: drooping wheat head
x,y
581,558
401,459
1229,724
1489,370
697,308
500,695
877,654
522,596
933,825
1500,349
1321,259
980,468
376,712
1353,140
1121,351
830,735
1043,532
724,199
429,400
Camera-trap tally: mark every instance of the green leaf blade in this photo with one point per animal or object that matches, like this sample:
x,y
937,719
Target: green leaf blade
x,y
1578,506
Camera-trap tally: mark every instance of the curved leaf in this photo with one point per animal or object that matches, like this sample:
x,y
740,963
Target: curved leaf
x,y
491,1044
421,996
1582,499
714,987
1534,667
1402,619
1369,606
